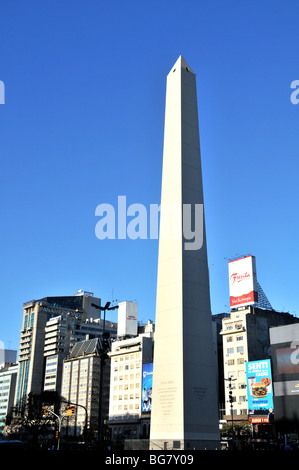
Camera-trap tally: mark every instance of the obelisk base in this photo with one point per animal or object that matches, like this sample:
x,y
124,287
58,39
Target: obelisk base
x,y
185,444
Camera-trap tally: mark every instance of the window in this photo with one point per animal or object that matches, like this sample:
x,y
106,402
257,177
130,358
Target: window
x,y
229,339
240,349
230,350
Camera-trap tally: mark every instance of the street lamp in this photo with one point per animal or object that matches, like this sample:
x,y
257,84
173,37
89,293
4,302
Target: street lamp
x,y
103,309
103,357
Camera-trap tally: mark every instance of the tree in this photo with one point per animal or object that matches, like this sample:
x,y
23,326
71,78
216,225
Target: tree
x,y
28,423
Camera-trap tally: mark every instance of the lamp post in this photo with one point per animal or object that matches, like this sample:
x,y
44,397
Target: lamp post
x,y
104,349
59,418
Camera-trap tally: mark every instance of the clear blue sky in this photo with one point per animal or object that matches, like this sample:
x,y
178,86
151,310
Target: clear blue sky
x,y
83,123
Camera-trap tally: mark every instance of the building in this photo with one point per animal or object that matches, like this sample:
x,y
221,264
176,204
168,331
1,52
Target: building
x,y
246,338
185,404
85,383
129,410
36,314
7,356
217,338
8,376
62,332
284,342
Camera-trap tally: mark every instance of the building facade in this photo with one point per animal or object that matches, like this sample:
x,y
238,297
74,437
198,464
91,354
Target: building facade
x,y
7,356
62,332
246,338
285,374
85,383
36,314
128,419
8,376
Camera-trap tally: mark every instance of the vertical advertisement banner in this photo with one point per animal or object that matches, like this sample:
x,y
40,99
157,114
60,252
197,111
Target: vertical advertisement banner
x,y
259,387
242,282
147,384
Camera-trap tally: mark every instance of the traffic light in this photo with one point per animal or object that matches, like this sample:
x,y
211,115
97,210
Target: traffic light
x,y
44,410
70,410
230,396
57,434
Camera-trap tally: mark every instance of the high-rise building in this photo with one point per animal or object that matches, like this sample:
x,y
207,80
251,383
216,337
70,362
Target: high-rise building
x,y
62,332
36,314
185,405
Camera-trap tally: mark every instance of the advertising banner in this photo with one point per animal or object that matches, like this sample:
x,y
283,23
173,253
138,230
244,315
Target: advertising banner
x,y
259,387
242,282
147,384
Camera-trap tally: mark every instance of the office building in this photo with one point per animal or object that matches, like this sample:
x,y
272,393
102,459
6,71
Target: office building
x,y
86,378
246,338
62,332
131,364
36,314
8,376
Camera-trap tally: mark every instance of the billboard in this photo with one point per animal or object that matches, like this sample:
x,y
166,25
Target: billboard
x,y
147,385
259,389
284,342
285,357
242,282
127,324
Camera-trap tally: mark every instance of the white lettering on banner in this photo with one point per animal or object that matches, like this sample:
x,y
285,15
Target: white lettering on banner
x,y
256,366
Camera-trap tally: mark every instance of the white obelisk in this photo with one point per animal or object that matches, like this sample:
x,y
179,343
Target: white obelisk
x,y
185,400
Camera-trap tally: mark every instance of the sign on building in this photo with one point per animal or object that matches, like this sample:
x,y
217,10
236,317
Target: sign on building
x,y
147,385
242,282
127,319
259,390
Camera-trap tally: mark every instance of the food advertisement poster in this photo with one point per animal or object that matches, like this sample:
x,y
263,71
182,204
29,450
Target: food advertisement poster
x,y
259,386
